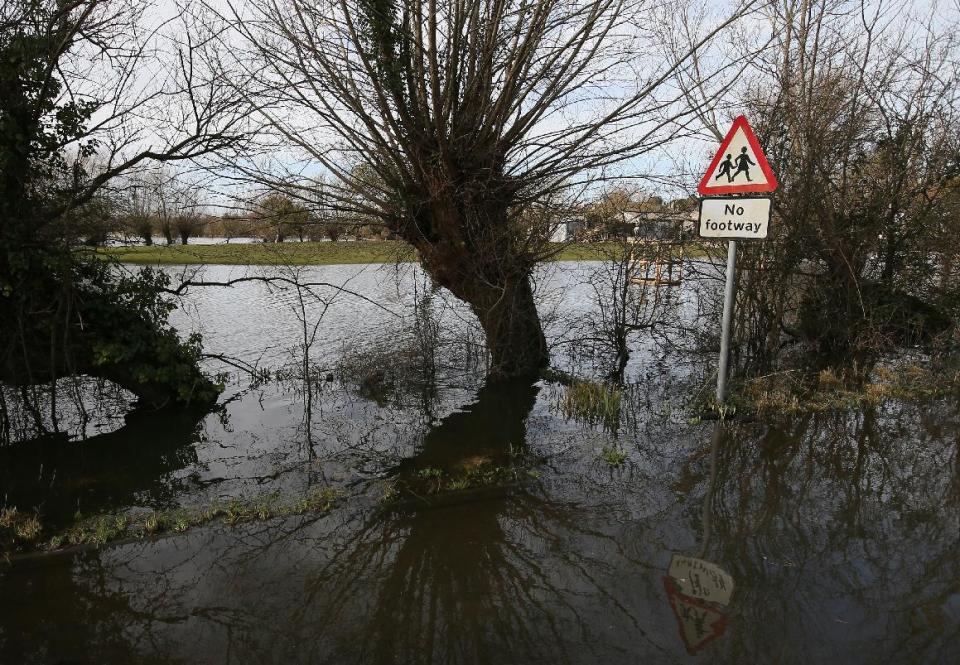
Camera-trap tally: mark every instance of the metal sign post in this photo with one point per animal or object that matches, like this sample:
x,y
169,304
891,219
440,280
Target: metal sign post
x,y
729,298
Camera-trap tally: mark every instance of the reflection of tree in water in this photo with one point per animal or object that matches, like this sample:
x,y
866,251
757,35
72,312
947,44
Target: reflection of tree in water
x,y
834,526
821,519
493,581
497,580
93,621
491,428
470,582
129,466
841,525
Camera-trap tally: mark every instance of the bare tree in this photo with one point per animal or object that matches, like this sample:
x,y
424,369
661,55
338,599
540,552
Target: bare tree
x,y
81,78
138,208
468,112
188,223
278,215
632,289
856,105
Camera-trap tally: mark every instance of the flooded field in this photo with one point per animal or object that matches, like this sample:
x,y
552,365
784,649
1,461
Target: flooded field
x,y
838,529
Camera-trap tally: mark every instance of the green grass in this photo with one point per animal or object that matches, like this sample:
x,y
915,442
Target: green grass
x,y
27,532
311,253
294,253
613,456
593,403
606,251
583,251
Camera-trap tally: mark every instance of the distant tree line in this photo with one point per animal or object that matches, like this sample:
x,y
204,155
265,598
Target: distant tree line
x,y
161,208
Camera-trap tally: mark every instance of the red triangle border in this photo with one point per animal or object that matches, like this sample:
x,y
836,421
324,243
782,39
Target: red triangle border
x,y
740,122
717,627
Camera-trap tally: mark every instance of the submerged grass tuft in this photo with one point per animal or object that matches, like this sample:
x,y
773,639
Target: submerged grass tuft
x,y
613,456
833,390
471,475
592,403
18,529
102,529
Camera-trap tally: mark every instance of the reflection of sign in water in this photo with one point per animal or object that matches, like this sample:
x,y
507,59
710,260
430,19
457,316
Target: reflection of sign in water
x,y
699,623
700,579
698,592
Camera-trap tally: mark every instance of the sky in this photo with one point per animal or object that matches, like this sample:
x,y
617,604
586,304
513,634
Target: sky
x,y
670,171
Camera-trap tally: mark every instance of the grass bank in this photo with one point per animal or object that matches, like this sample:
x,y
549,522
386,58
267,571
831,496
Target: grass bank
x,y
793,391
310,253
288,253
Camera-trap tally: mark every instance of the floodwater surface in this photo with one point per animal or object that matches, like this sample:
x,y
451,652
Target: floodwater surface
x,y
839,531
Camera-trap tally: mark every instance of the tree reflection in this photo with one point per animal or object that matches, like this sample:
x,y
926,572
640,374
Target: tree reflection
x,y
841,525
464,582
492,427
106,472
839,530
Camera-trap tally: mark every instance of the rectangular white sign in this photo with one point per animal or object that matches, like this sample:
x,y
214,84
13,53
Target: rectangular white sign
x,y
725,217
701,579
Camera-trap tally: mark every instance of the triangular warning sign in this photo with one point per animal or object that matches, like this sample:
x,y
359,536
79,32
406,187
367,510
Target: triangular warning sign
x,y
740,165
698,622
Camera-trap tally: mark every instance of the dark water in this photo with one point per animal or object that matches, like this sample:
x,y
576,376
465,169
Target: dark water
x,y
840,530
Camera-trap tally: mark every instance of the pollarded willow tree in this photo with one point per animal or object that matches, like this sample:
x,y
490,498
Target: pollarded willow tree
x,y
461,122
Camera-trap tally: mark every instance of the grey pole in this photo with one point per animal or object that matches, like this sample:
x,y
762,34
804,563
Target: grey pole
x,y
711,487
729,296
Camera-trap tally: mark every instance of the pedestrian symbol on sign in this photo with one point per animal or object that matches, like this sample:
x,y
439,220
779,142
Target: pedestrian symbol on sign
x,y
725,167
743,165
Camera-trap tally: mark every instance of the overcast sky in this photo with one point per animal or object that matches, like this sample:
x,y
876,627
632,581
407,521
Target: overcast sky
x,y
672,171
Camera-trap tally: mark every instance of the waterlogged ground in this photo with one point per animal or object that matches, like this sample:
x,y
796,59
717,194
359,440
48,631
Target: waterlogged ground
x,y
839,530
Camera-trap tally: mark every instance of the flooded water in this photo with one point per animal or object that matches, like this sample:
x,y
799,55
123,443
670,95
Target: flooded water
x,y
839,531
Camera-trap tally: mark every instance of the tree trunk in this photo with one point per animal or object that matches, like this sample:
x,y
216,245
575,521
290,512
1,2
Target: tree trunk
x,y
515,338
472,244
501,296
